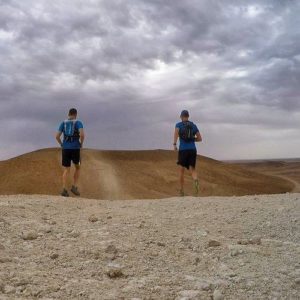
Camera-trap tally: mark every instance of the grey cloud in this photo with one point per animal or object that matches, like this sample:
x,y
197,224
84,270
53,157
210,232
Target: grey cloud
x,y
131,66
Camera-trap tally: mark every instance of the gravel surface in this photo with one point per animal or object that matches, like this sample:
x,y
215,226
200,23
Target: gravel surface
x,y
178,248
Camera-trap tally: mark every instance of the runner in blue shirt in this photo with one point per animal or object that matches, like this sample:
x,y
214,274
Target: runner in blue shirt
x,y
72,130
188,133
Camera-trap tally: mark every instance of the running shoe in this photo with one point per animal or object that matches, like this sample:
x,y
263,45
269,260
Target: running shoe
x,y
74,190
64,193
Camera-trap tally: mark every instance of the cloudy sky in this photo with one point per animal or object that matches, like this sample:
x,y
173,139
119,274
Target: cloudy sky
x,y
130,67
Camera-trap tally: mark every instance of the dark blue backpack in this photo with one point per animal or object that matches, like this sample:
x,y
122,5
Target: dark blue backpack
x,y
186,132
70,131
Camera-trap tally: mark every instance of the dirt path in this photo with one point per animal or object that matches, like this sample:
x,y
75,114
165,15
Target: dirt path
x,y
296,183
100,176
296,188
179,248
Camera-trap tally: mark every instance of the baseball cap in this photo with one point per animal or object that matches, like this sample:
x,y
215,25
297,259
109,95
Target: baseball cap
x,y
184,113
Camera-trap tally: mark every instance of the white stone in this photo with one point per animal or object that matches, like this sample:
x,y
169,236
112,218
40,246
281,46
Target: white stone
x,y
188,294
217,295
8,289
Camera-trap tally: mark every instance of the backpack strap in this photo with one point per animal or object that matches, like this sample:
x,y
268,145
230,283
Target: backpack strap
x,y
186,131
65,126
73,127
70,137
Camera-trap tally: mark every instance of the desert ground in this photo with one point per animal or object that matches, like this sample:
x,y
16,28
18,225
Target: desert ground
x,y
177,248
130,237
287,169
133,175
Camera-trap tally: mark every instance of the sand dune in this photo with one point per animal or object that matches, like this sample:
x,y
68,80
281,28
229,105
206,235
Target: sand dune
x,y
180,248
131,175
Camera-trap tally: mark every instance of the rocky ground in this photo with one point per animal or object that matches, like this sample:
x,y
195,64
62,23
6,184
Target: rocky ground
x,y
188,248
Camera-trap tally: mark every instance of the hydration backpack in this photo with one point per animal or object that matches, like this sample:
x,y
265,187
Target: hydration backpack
x,y
186,132
71,131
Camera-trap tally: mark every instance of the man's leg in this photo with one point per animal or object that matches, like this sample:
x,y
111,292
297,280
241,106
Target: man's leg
x,y
194,173
74,188
195,179
65,176
181,180
66,163
76,174
192,164
76,161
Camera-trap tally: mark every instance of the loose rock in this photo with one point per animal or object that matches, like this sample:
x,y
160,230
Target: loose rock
x,y
29,236
46,229
74,234
254,241
161,244
111,249
5,260
93,219
8,289
213,243
188,294
114,271
236,252
203,285
217,295
54,255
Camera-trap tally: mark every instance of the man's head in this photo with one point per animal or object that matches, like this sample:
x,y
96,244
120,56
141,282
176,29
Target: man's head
x,y
184,115
73,113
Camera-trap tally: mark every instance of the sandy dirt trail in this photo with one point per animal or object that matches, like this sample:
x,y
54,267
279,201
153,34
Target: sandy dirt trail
x,y
101,174
179,248
296,188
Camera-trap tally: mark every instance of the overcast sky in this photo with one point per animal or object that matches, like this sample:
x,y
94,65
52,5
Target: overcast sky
x,y
130,67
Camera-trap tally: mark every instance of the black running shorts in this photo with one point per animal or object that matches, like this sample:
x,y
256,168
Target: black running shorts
x,y
187,158
70,155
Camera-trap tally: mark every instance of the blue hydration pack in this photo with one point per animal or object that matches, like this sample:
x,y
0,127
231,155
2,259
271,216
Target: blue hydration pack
x,y
186,132
70,131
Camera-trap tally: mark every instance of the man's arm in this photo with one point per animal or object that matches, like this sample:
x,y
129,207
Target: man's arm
x,y
198,137
58,135
176,136
82,136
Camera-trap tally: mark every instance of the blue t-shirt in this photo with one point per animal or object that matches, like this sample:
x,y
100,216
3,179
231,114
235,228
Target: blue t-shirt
x,y
184,145
67,125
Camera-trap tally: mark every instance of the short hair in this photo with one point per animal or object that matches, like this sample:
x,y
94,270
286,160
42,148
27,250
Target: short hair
x,y
185,114
72,112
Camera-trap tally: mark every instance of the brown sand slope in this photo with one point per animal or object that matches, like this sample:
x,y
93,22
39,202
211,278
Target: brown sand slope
x,y
131,175
286,169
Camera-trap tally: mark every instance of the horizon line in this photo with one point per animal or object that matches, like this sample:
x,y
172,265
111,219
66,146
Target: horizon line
x,y
161,149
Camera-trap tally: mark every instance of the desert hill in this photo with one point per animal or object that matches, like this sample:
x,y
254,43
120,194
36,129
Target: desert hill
x,y
131,175
286,169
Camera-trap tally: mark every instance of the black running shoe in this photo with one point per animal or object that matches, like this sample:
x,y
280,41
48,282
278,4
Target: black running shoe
x,y
64,193
74,190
